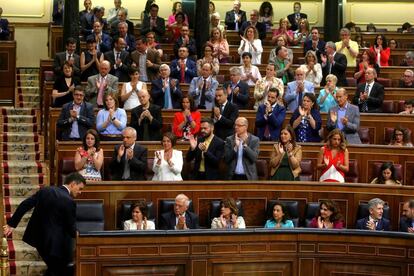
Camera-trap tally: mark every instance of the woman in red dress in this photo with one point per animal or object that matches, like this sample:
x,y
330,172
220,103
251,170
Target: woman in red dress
x,y
188,120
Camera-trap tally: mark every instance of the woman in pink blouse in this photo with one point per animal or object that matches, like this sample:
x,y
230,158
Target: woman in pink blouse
x,y
284,31
220,45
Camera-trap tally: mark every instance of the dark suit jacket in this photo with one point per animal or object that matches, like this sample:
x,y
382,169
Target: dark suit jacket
x,y
212,158
137,165
229,20
192,50
167,221
154,57
375,99
320,48
159,29
190,72
224,127
383,224
130,43
338,69
242,98
405,223
157,93
274,121
52,225
60,59
261,29
114,27
106,42
122,71
87,24
154,127
292,20
4,26
86,120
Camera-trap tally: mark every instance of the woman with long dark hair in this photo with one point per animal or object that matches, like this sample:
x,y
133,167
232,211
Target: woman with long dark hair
x,y
328,216
381,50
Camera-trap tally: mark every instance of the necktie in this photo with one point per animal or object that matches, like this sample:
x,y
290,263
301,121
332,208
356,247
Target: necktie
x,y
364,103
221,108
182,72
117,56
99,99
167,97
203,96
300,98
126,174
70,57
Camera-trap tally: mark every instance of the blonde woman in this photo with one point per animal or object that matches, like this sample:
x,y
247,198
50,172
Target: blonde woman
x,y
219,44
251,43
312,69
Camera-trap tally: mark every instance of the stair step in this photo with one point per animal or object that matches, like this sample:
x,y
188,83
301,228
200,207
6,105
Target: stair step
x,y
22,156
17,111
22,190
26,179
27,83
28,70
32,97
19,127
22,251
20,137
29,104
28,119
19,147
29,268
23,167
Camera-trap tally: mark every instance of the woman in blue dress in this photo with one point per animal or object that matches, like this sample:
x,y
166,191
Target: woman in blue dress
x,y
280,217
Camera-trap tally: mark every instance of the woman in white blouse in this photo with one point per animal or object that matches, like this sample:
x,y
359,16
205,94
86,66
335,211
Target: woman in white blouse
x,y
312,69
229,216
168,162
129,92
249,73
139,221
251,43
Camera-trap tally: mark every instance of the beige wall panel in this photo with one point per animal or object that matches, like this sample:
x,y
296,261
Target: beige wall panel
x,y
35,11
31,46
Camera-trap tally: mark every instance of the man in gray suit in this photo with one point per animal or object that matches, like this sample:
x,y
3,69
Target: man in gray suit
x,y
101,84
241,152
345,116
70,56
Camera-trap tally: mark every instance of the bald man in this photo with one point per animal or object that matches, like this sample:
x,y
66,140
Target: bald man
x,y
370,94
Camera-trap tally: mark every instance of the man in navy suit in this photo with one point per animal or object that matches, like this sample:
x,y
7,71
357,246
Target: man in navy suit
x,y
207,152
315,44
375,221
236,17
179,218
4,27
103,40
122,17
270,117
70,56
183,69
224,114
296,16
153,23
52,226
260,27
187,41
236,89
370,95
166,88
128,38
407,220
334,63
119,59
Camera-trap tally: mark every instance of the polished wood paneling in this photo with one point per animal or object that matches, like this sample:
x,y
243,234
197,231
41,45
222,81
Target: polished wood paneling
x,y
7,72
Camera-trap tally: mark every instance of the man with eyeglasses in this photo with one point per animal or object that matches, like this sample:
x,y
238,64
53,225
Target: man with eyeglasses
x,y
260,27
347,47
315,44
183,68
186,41
119,59
179,218
407,80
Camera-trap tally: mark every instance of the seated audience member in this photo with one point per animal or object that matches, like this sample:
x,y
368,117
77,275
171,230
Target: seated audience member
x,y
153,44
179,218
371,28
237,90
406,28
112,119
119,59
270,117
279,217
4,27
387,175
375,221
333,158
121,17
367,61
344,117
90,59
183,68
327,96
103,41
87,21
147,60
241,152
64,85
153,23
408,107
282,64
266,14
407,79
174,30
100,84
312,69
165,91
302,34
280,41
70,56
184,40
393,44
236,17
229,217
146,12
296,16
76,117
408,60
208,58
89,158
129,91
129,160
87,12
296,89
328,216
168,162
370,95
249,73
203,88
407,220
381,50
286,157
359,39
254,22
206,151
219,45
146,118
283,31
224,114
211,8
266,83
128,38
187,121
306,120
250,43
334,63
315,44
139,220
400,137
347,47
177,7
113,12
215,23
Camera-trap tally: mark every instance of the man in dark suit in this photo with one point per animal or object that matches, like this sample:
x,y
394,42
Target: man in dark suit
x,y
119,59
70,56
224,114
146,118
103,40
207,152
52,226
4,27
122,17
270,117
236,17
87,12
296,16
76,117
166,85
186,41
370,95
260,27
407,220
148,71
153,23
87,21
375,221
128,38
179,218
334,63
236,89
129,160
315,44
183,69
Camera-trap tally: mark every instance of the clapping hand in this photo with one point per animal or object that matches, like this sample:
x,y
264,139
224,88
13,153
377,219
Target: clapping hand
x,y
281,148
202,147
121,151
193,141
371,225
326,161
216,112
333,115
344,120
129,153
302,112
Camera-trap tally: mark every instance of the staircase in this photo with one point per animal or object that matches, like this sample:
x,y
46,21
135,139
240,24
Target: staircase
x,y
22,165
